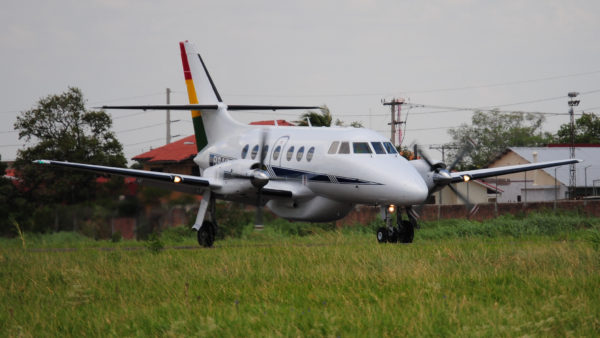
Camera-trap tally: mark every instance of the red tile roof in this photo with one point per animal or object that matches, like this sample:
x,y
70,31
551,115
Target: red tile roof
x,y
272,123
173,152
186,147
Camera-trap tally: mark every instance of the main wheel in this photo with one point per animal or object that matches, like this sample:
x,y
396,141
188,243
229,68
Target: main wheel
x,y
407,233
206,234
382,235
393,235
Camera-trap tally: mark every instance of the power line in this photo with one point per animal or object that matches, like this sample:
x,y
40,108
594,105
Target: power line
x,y
148,141
139,128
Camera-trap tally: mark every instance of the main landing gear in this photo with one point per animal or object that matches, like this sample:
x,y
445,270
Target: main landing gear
x,y
403,232
206,232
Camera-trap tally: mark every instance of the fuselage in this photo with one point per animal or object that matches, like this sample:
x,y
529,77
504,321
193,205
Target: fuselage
x,y
340,166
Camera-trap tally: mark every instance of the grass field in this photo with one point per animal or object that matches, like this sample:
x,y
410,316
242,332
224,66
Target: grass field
x,y
331,283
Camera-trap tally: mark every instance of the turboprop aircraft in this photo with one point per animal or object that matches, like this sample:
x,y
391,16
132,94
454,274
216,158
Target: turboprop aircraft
x,y
312,174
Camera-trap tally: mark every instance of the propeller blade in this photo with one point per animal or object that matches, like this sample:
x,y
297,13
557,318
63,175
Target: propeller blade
x,y
472,208
261,178
424,157
263,152
467,147
258,221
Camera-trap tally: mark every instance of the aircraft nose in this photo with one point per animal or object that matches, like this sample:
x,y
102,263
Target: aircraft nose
x,y
415,190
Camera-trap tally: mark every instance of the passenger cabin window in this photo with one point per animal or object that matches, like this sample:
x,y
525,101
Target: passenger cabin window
x,y
276,152
290,153
361,148
254,152
300,153
390,148
245,150
378,147
310,154
344,148
333,147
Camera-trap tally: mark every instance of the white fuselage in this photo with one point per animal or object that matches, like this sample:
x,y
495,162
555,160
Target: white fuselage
x,y
326,185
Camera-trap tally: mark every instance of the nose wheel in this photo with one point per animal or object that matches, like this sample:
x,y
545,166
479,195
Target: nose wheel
x,y
403,232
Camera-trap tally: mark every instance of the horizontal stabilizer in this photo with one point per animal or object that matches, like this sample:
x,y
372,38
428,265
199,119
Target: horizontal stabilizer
x,y
208,106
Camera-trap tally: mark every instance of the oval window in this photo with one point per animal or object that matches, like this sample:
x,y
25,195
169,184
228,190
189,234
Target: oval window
x,y
245,151
290,153
300,153
254,152
276,152
310,153
265,152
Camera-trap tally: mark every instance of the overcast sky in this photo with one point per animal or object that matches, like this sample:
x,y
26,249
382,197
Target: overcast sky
x,y
348,55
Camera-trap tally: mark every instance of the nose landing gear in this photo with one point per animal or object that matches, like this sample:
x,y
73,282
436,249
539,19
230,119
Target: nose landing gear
x,y
403,232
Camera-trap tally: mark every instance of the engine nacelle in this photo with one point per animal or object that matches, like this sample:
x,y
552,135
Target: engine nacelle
x,y
236,177
316,209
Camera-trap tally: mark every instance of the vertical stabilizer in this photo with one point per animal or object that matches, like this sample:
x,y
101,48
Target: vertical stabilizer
x,y
201,90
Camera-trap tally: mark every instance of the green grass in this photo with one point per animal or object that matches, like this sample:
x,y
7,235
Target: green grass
x,y
330,283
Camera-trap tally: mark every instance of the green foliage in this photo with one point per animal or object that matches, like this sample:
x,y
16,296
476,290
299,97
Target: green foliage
x,y
176,235
301,229
232,218
154,243
60,128
321,119
116,237
587,130
493,132
534,224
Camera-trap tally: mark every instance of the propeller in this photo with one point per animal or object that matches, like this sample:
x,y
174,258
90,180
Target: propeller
x,y
441,175
259,179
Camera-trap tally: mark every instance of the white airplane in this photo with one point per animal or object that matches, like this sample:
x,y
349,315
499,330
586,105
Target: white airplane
x,y
312,174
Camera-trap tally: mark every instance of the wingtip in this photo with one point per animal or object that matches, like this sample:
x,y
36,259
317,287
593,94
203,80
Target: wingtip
x,y
41,161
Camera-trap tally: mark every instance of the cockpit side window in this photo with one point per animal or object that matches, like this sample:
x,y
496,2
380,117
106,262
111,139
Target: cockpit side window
x,y
361,148
344,148
378,147
390,148
333,147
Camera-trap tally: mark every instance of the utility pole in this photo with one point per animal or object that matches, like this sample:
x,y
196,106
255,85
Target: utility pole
x,y
443,148
168,116
572,170
395,105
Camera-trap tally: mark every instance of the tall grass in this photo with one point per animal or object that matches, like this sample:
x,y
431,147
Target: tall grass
x,y
330,283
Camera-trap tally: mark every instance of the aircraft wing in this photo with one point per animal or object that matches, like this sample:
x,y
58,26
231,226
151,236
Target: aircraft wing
x,y
178,182
491,172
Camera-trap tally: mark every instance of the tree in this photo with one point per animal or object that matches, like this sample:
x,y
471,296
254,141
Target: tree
x,y
493,131
587,130
60,128
322,119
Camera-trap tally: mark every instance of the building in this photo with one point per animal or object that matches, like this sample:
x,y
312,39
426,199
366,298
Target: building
x,y
476,191
176,157
551,183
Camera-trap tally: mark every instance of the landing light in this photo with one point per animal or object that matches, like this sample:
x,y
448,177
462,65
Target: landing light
x,y
391,208
466,178
177,179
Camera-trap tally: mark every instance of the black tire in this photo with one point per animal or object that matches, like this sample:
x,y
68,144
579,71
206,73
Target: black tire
x,y
206,234
382,235
407,233
394,235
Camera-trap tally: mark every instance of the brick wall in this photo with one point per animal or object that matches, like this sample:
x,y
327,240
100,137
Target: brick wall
x,y
366,214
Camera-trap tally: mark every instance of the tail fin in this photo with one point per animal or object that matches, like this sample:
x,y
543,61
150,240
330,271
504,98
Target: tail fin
x,y
200,86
